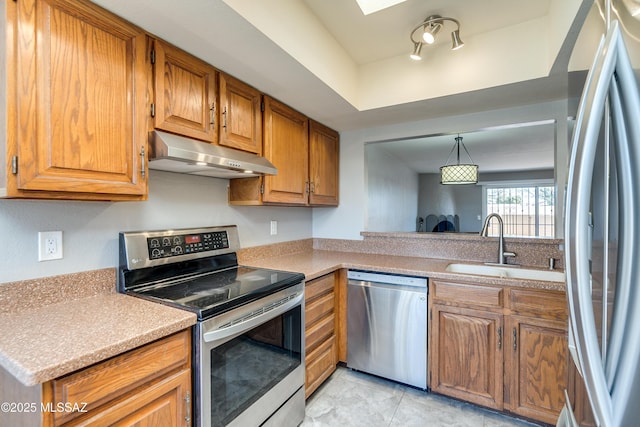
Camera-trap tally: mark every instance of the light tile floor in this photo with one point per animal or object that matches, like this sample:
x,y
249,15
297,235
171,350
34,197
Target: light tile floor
x,y
351,399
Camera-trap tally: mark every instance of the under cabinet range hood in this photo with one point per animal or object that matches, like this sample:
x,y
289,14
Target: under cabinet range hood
x,y
174,153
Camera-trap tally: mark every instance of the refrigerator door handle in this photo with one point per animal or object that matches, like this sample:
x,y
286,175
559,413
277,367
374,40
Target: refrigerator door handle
x,y
566,418
583,149
623,357
610,378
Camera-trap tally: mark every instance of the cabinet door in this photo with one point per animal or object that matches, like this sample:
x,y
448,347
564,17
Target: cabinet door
x,y
80,95
241,117
466,358
185,94
538,372
286,145
324,152
166,403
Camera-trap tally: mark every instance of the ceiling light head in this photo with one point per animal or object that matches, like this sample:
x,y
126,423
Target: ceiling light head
x,y
457,42
431,27
417,47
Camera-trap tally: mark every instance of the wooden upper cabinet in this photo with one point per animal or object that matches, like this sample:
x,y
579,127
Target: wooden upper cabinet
x,y
185,93
324,153
286,145
240,115
306,154
76,104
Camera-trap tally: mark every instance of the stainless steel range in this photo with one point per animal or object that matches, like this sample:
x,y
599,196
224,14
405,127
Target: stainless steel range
x,y
249,340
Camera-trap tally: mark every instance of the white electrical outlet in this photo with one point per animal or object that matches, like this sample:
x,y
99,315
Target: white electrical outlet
x,y
274,227
49,245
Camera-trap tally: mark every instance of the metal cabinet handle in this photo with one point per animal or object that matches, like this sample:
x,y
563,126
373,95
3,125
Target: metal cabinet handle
x,y
499,337
224,119
187,403
143,170
212,112
515,339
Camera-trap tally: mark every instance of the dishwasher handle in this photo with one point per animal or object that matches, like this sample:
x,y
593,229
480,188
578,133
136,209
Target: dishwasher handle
x,y
356,276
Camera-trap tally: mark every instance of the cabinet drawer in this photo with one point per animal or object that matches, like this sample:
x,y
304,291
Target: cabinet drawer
x,y
110,379
319,331
540,303
319,286
460,293
318,308
320,364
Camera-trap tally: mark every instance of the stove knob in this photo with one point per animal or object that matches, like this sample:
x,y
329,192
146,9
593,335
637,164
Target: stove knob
x,y
155,253
177,240
177,250
166,241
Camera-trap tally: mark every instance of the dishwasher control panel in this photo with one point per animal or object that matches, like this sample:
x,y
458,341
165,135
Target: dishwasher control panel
x,y
391,279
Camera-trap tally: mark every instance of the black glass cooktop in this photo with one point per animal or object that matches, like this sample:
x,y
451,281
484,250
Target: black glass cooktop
x,y
212,293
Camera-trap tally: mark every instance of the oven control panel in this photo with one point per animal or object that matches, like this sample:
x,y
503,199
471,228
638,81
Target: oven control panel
x,y
182,244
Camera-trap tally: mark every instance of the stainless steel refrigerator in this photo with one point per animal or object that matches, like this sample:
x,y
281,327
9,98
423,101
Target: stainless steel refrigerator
x,y
602,230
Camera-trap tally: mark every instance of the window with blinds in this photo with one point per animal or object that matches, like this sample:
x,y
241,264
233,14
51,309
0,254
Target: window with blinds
x,y
526,210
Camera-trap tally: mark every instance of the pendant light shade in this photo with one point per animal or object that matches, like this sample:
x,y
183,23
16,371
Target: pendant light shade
x,y
460,173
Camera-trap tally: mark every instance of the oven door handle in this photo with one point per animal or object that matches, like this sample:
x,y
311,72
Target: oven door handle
x,y
251,322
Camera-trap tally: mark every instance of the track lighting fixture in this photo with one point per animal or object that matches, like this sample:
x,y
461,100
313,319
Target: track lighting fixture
x,y
427,34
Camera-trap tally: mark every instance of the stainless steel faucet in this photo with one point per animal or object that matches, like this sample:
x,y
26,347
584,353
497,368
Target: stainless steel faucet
x,y
502,255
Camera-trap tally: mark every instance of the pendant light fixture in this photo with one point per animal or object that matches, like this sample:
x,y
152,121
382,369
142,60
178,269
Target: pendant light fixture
x,y
425,33
460,173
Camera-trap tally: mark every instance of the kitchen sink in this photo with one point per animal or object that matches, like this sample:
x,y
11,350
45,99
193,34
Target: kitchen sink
x,y
506,272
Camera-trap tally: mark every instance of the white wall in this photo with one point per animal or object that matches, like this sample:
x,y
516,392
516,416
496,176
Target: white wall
x,y
350,218
90,229
392,192
462,200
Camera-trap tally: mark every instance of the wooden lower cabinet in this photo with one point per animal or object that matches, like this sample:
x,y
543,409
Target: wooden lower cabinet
x,y
147,386
538,355
504,350
469,360
321,352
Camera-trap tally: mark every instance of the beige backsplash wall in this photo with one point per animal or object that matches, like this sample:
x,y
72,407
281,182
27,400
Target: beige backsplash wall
x,y
452,246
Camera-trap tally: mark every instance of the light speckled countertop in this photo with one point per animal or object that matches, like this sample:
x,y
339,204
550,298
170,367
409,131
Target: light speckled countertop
x,y
315,263
54,326
44,337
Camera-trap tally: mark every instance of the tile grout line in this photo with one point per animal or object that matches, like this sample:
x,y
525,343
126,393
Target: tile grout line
x,y
404,393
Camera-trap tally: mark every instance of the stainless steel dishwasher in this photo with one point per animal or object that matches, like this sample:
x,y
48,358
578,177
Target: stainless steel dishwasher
x,y
387,326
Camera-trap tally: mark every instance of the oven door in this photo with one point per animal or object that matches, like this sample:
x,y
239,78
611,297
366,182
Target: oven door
x,y
249,363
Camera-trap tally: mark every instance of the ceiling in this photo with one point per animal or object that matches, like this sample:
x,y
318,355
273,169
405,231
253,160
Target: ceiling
x,y
523,147
350,71
385,34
